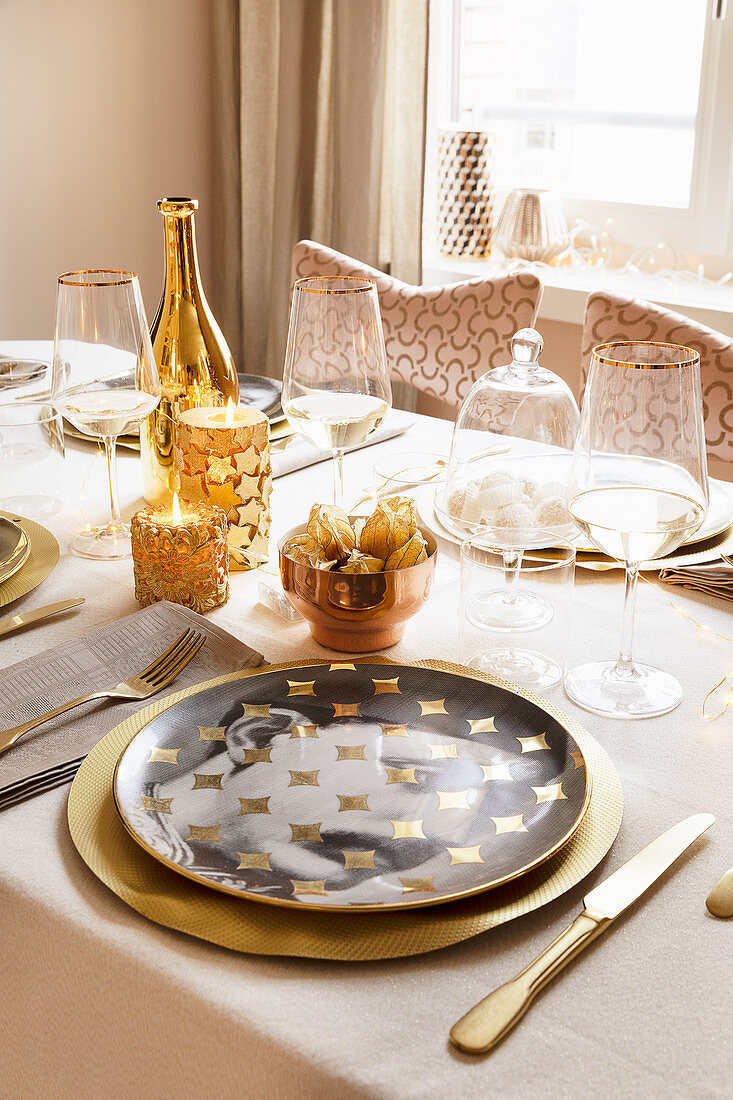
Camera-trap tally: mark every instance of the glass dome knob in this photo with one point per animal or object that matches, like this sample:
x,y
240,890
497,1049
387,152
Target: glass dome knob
x,y
526,346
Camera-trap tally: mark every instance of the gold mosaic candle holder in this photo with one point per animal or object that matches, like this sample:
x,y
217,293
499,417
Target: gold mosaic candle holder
x,y
223,457
181,554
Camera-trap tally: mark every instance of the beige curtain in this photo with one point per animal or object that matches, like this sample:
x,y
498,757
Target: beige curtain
x,y
330,124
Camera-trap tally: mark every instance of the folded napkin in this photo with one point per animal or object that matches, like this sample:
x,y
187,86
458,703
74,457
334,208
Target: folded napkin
x,y
295,452
95,661
715,578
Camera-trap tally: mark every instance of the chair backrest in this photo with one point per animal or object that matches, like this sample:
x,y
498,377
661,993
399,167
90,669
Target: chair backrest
x,y
440,338
611,317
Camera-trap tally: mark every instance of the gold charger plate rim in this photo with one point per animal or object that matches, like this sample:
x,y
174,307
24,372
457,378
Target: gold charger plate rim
x,y
40,563
21,554
376,907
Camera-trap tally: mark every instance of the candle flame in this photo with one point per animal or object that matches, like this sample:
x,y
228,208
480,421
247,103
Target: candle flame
x,y
175,516
229,422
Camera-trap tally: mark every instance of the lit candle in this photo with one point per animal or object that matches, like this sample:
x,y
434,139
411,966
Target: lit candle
x,y
223,457
181,554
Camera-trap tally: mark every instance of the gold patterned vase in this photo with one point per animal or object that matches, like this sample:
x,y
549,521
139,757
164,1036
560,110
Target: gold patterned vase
x,y
465,193
195,365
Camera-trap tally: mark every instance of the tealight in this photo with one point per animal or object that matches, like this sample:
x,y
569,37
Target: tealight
x,y
223,458
180,553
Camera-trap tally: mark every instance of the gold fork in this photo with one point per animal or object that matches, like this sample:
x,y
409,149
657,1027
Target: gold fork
x,y
148,682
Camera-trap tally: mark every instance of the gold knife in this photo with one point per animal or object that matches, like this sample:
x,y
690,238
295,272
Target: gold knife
x,y
490,1020
15,622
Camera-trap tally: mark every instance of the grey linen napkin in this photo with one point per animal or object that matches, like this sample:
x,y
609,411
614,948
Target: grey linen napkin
x,y
713,578
93,662
295,452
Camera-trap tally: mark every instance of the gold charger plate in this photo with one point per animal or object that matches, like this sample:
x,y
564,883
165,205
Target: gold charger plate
x,y
173,901
15,548
40,564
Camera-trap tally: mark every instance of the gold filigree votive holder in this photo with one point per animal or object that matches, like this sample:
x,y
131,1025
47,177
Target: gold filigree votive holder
x,y
181,555
223,458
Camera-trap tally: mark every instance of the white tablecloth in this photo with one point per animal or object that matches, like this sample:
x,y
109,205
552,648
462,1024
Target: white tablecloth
x,y
96,1001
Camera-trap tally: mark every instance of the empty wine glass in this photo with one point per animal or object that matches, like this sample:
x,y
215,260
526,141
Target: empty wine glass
x,y
105,381
638,488
336,387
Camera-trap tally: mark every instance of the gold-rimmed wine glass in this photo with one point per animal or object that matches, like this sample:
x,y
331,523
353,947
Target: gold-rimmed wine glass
x,y
336,387
638,488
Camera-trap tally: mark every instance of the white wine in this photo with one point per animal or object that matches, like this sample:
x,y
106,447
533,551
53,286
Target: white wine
x,y
336,420
635,523
108,412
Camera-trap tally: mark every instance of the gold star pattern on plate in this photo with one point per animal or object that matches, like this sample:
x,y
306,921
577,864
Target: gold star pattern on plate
x,y
553,793
533,744
300,687
496,771
309,886
307,834
401,775
386,687
394,730
465,855
256,710
577,758
212,733
204,832
418,885
156,805
257,756
408,830
350,752
481,725
345,710
162,756
254,861
432,706
509,824
355,860
207,781
254,805
304,779
341,664
443,752
352,802
453,800
302,731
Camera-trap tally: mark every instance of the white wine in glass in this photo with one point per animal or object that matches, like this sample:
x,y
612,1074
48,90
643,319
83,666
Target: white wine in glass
x,y
336,387
105,381
638,488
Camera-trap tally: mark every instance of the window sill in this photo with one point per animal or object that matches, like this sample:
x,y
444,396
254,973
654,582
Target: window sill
x,y
566,291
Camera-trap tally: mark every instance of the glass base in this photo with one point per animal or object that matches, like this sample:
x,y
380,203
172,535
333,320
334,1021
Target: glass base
x,y
647,693
31,505
105,543
524,611
521,666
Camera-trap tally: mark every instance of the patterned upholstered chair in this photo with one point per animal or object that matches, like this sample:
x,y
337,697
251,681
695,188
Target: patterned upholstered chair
x,y
440,338
611,317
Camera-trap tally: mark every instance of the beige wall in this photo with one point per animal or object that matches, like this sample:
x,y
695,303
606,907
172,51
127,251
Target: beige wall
x,y
105,106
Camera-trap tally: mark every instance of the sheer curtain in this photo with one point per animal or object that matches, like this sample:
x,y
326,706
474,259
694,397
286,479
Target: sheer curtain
x,y
320,134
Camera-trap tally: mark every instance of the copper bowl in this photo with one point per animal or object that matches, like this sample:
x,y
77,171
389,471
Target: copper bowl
x,y
357,612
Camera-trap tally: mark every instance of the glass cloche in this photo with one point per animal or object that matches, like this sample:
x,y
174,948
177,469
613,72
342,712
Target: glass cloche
x,y
509,464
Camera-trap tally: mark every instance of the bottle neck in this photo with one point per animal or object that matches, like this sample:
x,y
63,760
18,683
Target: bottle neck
x,y
182,278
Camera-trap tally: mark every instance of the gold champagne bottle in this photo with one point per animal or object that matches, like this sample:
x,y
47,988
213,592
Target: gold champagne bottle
x,y
195,365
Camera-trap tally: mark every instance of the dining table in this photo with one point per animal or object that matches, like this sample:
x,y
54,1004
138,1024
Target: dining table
x,y
96,1000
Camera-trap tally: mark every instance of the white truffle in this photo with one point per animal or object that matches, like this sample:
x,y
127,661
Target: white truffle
x,y
552,512
518,516
549,489
496,477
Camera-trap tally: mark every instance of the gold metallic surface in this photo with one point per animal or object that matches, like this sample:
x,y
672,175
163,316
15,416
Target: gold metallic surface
x,y
38,615
173,901
720,899
687,356
42,560
194,362
357,612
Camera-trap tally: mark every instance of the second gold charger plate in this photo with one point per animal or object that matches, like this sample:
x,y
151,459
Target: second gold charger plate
x,y
337,787
42,560
174,901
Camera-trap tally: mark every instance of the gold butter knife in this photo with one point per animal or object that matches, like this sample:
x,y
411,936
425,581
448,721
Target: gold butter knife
x,y
490,1020
15,622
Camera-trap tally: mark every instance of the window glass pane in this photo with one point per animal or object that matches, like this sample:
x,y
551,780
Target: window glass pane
x,y
589,99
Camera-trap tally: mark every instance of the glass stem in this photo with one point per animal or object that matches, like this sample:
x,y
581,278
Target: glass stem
x,y
110,448
625,664
512,567
338,477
